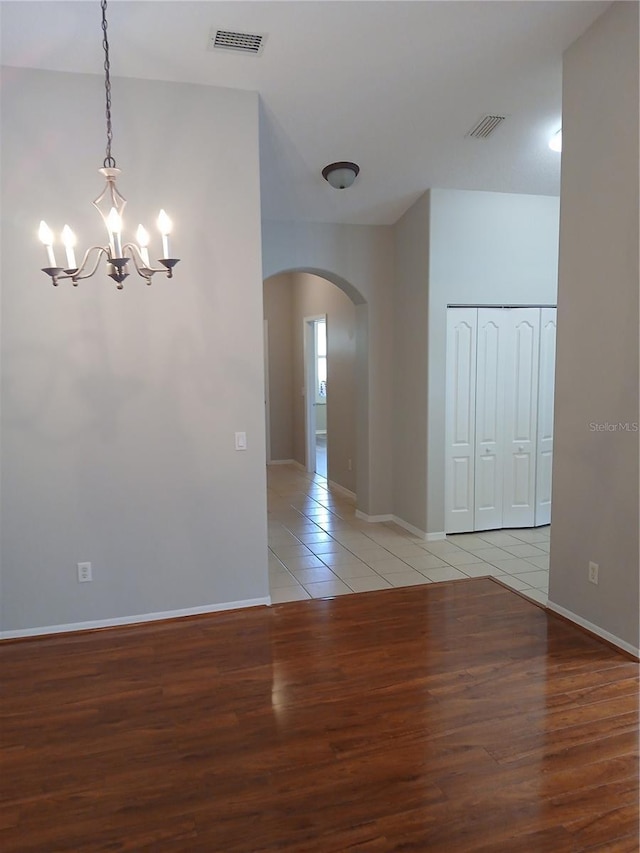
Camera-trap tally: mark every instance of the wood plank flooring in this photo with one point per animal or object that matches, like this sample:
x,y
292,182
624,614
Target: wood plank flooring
x,y
449,717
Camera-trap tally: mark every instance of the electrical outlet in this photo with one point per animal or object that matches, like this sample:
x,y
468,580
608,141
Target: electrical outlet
x,y
85,574
594,568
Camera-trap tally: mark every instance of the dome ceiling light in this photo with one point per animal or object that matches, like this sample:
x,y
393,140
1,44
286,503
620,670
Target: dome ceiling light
x,y
341,175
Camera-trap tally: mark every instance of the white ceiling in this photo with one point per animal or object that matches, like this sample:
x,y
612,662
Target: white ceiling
x,y
391,85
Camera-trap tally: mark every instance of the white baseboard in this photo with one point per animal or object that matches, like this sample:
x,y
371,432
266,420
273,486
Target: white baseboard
x,y
436,537
594,629
427,537
133,620
409,527
372,519
341,489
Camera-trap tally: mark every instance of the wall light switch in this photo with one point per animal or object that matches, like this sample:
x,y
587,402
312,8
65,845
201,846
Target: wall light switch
x,y
241,441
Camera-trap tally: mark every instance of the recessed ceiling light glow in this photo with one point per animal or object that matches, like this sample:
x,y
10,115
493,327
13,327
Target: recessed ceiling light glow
x,y
555,143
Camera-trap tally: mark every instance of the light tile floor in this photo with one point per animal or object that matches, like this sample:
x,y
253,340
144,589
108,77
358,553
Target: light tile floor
x,y
318,548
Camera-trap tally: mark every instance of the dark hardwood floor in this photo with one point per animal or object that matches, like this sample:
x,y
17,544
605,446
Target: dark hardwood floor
x,y
449,717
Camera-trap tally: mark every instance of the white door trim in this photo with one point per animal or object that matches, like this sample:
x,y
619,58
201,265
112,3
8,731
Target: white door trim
x,y
309,339
544,456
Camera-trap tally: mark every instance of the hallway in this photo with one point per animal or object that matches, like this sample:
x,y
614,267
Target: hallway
x,y
318,548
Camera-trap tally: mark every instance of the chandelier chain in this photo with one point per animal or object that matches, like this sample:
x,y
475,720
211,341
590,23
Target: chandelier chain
x,y
109,161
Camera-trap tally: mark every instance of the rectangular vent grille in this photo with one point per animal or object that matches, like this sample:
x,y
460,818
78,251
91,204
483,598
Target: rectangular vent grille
x,y
485,126
239,42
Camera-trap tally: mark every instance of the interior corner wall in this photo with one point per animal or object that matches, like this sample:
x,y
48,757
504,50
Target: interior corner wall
x,y
278,312
361,258
410,317
119,407
484,249
595,471
314,296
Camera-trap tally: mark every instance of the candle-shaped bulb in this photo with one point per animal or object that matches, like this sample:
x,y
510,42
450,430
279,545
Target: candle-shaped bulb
x,y
114,224
46,235
164,226
164,223
69,241
142,236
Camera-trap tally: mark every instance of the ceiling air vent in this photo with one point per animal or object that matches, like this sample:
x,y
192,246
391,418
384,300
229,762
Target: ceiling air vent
x,y
485,126
249,43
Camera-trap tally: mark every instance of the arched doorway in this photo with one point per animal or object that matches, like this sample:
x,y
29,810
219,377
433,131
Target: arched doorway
x,y
314,394
301,404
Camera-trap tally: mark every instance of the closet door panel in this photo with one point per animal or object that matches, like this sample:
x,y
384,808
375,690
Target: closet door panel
x,y
545,415
522,477
460,419
489,418
521,415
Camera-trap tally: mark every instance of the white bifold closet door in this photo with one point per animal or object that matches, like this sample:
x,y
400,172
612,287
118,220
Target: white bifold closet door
x,y
490,427
521,416
499,428
460,415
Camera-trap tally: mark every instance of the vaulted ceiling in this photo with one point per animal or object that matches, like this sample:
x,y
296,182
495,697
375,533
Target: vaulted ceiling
x,y
394,86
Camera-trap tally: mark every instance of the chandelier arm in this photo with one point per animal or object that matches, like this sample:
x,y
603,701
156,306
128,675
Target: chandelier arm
x,y
146,271
79,275
138,261
137,257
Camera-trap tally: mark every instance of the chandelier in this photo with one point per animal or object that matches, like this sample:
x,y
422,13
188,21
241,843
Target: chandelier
x,y
110,204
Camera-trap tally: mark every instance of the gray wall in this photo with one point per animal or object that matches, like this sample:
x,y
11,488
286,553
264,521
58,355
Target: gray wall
x,y
360,260
278,311
595,473
119,408
410,317
485,248
313,296
455,247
